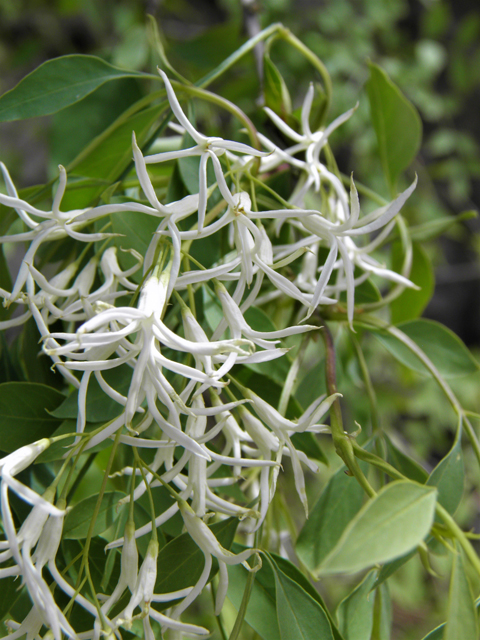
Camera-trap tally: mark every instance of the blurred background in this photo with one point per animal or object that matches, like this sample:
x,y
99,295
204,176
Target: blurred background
x,y
429,48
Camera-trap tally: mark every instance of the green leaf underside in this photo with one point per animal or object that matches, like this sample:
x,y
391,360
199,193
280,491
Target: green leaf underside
x,y
462,621
396,122
355,612
446,351
390,525
449,477
56,84
23,413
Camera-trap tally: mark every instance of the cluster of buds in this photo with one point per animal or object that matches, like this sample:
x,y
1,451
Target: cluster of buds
x,y
178,401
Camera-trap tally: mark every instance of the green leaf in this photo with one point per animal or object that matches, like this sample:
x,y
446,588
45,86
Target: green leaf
x,y
434,228
23,413
181,561
355,612
339,502
404,463
449,476
276,93
100,408
261,612
78,520
462,621
392,523
411,303
445,349
96,112
299,615
10,593
396,122
56,84
389,568
382,614
293,572
110,153
436,634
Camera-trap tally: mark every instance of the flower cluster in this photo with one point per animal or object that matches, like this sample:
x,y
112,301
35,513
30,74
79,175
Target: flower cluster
x,y
184,401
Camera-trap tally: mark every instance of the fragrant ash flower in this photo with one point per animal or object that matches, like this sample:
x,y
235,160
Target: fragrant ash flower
x,y
205,147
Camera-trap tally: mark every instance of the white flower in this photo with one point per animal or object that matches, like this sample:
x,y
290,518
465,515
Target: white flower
x,y
210,547
205,147
55,224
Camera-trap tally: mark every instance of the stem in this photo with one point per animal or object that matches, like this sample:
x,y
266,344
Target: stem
x,y
368,384
218,618
234,635
457,533
342,441
371,322
238,54
221,102
287,35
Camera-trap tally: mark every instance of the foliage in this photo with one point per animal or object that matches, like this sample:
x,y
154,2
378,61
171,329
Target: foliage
x,y
160,287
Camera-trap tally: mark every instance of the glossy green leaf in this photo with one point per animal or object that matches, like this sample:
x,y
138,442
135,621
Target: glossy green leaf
x,y
78,520
299,615
446,351
449,477
56,84
411,303
339,502
23,413
462,620
181,561
100,408
96,112
396,122
355,612
392,523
